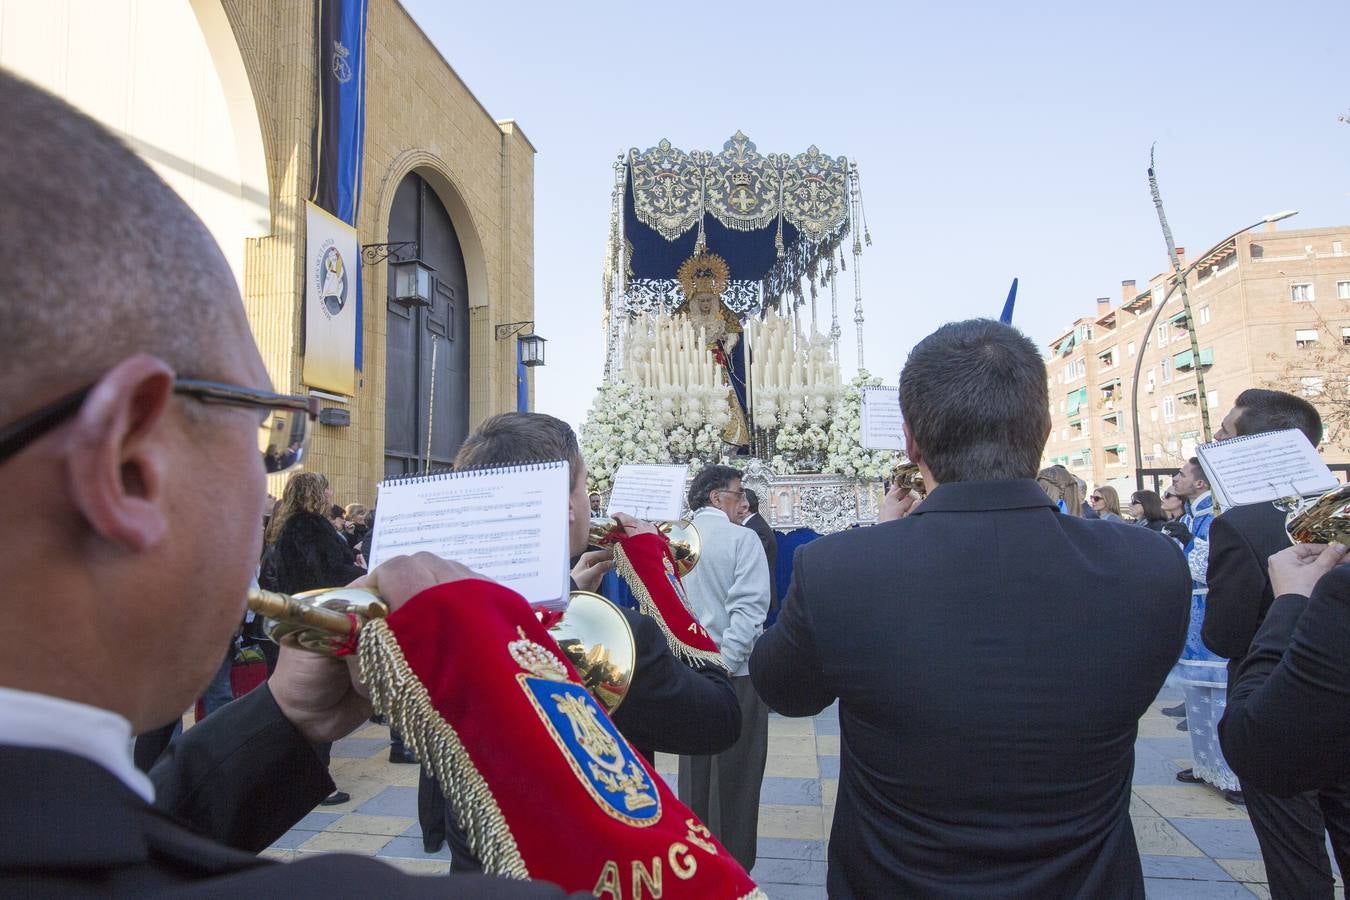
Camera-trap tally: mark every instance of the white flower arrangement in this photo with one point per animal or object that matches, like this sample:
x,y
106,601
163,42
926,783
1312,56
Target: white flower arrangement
x,y
624,425
846,455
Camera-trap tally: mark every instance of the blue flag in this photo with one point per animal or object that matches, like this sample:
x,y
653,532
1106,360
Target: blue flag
x,y
1006,317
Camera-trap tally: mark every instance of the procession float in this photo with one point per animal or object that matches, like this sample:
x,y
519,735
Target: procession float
x,y
722,284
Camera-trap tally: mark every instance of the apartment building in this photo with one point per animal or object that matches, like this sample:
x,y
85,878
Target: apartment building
x,y
1263,302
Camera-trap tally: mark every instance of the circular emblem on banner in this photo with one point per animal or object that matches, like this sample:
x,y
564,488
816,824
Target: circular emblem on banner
x,y
330,274
342,69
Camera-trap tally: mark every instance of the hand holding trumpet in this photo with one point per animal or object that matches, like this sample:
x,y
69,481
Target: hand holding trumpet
x,y
321,695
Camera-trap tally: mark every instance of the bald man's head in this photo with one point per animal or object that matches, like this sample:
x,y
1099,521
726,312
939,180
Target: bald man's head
x,y
107,260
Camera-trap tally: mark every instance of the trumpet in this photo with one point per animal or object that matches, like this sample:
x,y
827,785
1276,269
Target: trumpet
x,y
1322,520
593,634
685,543
908,476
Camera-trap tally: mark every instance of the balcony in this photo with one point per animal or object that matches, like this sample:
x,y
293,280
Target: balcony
x,y
1185,360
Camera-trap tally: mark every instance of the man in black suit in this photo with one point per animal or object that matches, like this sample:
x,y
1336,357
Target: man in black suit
x,y
670,707
1291,830
131,394
755,522
1287,726
985,749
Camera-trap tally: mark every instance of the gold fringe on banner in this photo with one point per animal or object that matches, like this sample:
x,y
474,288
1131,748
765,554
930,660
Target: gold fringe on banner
x,y
396,692
648,607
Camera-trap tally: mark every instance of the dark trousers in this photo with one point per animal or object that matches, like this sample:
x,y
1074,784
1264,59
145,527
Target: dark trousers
x,y
1292,832
723,790
438,824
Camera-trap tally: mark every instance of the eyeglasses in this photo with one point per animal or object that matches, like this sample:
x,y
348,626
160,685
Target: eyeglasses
x,y
725,491
283,428
1096,498
1168,496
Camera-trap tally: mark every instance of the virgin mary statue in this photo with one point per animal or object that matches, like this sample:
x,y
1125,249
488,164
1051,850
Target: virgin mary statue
x,y
704,277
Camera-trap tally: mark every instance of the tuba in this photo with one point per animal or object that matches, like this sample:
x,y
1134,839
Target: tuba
x,y
1321,520
908,476
592,632
685,543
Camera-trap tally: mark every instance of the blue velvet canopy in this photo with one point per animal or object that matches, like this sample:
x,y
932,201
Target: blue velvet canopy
x,y
775,219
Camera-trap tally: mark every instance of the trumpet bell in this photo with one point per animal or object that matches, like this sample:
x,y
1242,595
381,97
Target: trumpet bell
x,y
685,544
596,638
1325,520
907,475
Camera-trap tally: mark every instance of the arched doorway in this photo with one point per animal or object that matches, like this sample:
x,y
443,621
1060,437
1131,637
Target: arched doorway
x,y
414,336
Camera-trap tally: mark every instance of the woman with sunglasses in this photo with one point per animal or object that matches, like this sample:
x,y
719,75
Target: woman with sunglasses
x,y
1173,508
1106,503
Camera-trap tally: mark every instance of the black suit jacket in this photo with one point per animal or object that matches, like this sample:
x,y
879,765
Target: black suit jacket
x,y
991,658
1240,542
1287,726
760,527
672,707
72,829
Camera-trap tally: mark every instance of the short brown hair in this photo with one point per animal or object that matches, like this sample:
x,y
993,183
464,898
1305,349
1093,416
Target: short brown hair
x,y
520,437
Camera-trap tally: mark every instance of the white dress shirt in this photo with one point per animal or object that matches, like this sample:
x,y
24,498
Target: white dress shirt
x,y
100,736
729,588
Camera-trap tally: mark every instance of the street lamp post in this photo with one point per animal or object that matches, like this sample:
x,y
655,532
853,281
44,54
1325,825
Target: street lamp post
x,y
1177,280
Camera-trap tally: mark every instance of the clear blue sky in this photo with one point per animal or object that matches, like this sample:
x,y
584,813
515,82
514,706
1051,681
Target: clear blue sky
x,y
993,139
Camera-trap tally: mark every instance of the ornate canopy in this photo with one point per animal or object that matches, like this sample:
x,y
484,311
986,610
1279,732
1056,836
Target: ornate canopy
x,y
779,220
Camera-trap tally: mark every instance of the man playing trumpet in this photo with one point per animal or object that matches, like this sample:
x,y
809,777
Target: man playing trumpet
x,y
129,434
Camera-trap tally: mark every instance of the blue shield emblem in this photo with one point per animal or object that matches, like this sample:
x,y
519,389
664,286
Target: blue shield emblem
x,y
603,762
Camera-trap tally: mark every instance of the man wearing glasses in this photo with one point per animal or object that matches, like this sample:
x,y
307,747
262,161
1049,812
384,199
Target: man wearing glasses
x,y
729,592
134,419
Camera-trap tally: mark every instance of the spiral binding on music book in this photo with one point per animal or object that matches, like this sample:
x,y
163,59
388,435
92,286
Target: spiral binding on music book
x,y
513,528
443,474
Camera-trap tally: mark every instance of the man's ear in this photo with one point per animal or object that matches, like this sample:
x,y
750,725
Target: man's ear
x,y
118,455
912,449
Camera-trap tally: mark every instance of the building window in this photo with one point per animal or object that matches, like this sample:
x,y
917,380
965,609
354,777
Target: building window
x,y
1153,413
1305,338
1312,385
1202,315
1190,401
1336,249
1345,335
1343,290
1301,292
1129,348
1162,335
1169,409
1167,372
1212,398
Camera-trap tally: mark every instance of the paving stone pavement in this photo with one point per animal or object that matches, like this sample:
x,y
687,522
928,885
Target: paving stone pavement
x,y
1193,843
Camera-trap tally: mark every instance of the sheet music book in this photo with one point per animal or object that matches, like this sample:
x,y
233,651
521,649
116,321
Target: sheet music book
x,y
882,426
1258,468
649,491
508,524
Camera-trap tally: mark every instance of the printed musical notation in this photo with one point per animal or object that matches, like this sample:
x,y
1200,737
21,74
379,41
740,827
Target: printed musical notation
x,y
648,491
508,524
882,428
1258,468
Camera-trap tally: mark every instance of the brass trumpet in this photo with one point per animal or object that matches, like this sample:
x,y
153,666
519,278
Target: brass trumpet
x,y
908,476
685,542
1323,520
592,632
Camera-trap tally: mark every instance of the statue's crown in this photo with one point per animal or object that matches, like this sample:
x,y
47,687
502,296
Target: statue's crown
x,y
704,273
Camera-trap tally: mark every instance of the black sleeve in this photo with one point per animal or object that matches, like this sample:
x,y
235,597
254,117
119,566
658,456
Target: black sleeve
x,y
672,707
1237,584
242,776
1288,718
785,665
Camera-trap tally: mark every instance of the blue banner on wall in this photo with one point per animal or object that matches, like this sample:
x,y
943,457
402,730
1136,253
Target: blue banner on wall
x,y
340,120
